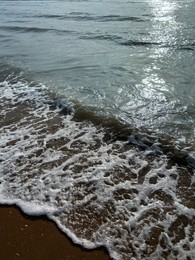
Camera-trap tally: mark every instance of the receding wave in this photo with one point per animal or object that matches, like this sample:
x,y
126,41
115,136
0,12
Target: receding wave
x,y
100,181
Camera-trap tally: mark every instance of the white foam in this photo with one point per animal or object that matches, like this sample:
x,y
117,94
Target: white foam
x,y
29,208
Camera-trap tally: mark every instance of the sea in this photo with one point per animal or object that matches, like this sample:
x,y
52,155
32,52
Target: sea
x,y
97,121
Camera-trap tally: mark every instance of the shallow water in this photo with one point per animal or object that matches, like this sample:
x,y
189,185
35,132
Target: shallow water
x,y
134,60
117,167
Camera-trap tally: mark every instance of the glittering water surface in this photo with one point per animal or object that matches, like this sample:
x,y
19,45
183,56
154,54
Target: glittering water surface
x,y
131,59
112,160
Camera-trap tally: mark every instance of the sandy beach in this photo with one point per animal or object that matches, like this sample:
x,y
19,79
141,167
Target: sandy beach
x,y
23,237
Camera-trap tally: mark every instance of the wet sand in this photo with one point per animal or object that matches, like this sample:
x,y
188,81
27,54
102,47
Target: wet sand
x,y
24,237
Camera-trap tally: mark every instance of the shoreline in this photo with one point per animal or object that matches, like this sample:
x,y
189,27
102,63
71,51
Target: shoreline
x,y
27,237
126,194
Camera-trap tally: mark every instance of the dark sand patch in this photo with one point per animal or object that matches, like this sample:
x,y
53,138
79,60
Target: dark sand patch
x,y
23,237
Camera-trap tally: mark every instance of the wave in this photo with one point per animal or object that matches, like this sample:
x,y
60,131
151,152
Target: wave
x,y
120,40
33,29
187,47
91,36
87,17
130,43
106,37
138,43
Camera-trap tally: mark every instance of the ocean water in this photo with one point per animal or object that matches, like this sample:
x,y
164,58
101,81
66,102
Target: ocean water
x,y
97,112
